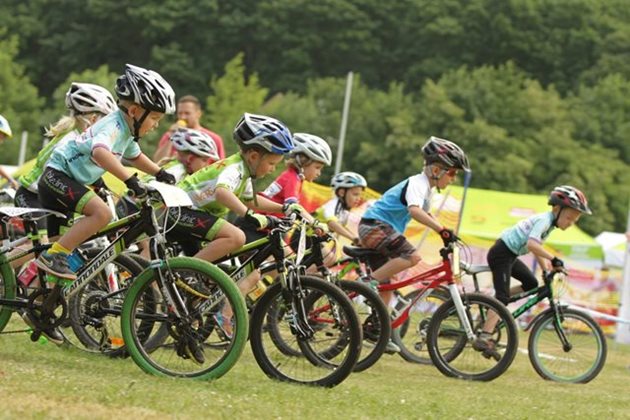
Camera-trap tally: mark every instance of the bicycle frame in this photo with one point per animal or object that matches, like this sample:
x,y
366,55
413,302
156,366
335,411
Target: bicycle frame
x,y
440,275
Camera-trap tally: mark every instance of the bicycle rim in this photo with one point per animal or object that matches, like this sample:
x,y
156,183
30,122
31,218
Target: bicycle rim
x,y
451,351
411,336
184,347
96,330
579,364
7,291
338,324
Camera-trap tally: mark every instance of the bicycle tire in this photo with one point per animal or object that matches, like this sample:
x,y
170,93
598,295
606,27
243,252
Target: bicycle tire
x,y
373,317
413,344
203,287
309,368
446,335
8,290
95,330
550,360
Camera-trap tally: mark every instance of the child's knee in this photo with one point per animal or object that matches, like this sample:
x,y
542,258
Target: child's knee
x,y
102,214
414,259
237,239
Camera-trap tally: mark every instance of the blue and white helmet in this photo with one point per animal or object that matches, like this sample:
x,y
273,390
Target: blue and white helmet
x,y
86,98
147,88
315,148
266,132
347,180
5,128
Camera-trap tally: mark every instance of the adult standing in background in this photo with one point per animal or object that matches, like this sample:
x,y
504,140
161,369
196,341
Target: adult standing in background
x,y
188,115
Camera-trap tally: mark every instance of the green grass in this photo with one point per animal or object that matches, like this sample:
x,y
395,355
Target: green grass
x,y
43,381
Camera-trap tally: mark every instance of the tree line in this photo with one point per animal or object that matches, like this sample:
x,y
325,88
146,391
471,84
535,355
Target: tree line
x,y
536,91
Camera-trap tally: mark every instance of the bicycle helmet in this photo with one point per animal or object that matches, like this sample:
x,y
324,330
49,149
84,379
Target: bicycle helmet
x,y
85,98
315,148
568,196
266,132
5,128
445,152
347,180
195,142
147,88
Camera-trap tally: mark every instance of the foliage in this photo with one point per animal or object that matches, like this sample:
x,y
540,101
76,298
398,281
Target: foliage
x,y
19,100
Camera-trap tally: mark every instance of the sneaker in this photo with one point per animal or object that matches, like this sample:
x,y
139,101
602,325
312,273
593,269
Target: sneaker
x,y
52,334
55,264
392,348
225,325
487,346
194,350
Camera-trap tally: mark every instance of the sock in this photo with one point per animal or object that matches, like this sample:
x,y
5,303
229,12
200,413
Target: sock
x,y
57,248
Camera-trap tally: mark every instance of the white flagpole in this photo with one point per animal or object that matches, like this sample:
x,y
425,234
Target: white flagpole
x,y
344,122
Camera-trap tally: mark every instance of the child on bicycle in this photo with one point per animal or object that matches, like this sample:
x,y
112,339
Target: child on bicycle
x,y
194,150
86,103
347,187
144,97
568,204
6,133
228,185
382,226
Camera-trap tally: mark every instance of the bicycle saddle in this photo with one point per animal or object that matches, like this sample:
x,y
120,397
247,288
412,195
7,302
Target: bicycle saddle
x,y
360,253
473,268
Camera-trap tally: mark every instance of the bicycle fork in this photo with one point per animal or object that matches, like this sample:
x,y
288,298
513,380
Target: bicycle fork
x,y
462,312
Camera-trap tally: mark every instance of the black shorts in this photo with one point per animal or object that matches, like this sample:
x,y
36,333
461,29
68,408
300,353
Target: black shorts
x,y
60,192
505,265
185,225
28,199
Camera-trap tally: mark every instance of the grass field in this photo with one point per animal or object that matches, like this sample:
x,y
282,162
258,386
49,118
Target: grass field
x,y
44,381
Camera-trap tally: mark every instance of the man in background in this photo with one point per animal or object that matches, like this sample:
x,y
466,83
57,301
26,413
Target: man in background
x,y
188,115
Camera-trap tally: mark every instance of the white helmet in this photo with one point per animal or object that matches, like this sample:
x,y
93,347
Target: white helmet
x,y
347,180
195,142
5,128
147,88
315,148
266,132
85,98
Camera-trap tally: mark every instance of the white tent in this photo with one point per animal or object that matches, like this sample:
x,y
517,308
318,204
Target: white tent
x,y
613,245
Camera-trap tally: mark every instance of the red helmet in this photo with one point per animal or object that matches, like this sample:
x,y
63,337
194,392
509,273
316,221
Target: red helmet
x,y
568,196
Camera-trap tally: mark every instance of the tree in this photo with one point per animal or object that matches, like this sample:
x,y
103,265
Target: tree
x,y
233,94
19,102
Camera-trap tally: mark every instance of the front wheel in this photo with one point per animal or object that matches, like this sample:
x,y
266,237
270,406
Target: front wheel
x,y
331,318
193,346
568,348
8,290
455,355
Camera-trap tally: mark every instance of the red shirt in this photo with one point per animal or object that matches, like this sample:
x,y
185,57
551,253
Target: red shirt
x,y
217,140
285,189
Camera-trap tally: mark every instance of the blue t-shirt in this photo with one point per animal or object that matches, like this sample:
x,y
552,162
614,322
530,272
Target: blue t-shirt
x,y
392,207
536,227
74,158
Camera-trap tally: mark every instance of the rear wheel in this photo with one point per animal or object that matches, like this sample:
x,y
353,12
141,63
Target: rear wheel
x,y
411,336
94,311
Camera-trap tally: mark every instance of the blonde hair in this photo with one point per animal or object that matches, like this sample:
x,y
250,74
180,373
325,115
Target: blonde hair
x,y
68,123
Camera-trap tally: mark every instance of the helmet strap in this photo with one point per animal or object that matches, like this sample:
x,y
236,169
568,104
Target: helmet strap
x,y
136,123
555,219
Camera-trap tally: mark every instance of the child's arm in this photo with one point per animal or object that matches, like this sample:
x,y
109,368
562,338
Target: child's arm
x,y
5,174
106,160
265,204
145,164
228,199
425,218
540,253
340,229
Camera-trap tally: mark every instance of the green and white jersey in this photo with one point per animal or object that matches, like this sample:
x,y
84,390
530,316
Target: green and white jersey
x,y
230,173
30,179
173,167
